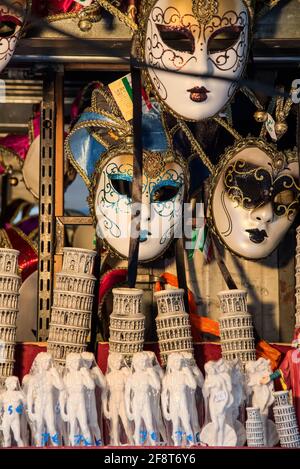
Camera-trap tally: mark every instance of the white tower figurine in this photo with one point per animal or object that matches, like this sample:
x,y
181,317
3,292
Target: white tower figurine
x,y
96,374
71,313
127,322
9,307
236,326
140,386
77,380
172,323
42,386
114,398
285,420
190,362
218,395
12,408
177,383
254,428
262,396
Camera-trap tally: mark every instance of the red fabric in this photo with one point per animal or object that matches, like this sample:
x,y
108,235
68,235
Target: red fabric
x,y
28,258
290,368
25,354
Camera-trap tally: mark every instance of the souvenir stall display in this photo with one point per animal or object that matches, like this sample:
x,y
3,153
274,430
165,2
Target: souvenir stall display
x,y
9,301
147,140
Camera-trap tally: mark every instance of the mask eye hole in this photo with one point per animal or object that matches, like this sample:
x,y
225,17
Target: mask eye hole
x,y
122,185
164,193
223,39
7,29
179,39
284,198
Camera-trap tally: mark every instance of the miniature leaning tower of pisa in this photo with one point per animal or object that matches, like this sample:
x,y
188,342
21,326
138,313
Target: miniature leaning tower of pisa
x,y
297,273
127,322
71,313
236,327
172,323
254,428
285,420
9,303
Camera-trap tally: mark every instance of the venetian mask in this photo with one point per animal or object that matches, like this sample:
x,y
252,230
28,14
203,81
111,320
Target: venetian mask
x,y
254,198
201,37
106,165
162,199
12,17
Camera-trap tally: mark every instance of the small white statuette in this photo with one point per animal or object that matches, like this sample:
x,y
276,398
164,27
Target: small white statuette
x,y
177,383
239,398
141,385
114,398
42,384
194,395
97,376
262,396
77,380
12,406
152,362
218,395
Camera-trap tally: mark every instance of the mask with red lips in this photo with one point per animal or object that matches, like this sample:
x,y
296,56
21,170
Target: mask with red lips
x,y
12,15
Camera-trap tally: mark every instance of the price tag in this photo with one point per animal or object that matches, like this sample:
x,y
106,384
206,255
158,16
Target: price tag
x,y
270,126
220,396
122,92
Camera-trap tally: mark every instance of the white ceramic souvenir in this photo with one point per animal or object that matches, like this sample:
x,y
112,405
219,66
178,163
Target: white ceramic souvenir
x,y
239,399
12,408
12,15
201,37
42,384
190,362
254,197
139,388
96,374
177,383
114,399
74,406
262,396
153,363
218,395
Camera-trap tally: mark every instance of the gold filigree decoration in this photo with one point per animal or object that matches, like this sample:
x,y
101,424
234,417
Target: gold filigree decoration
x,y
204,10
153,164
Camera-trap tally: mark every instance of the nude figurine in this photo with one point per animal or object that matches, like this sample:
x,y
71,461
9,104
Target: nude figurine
x,y
12,407
177,381
41,387
114,399
96,374
77,380
140,386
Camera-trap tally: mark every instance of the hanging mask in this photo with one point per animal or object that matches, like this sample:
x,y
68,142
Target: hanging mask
x,y
201,37
12,16
254,197
104,158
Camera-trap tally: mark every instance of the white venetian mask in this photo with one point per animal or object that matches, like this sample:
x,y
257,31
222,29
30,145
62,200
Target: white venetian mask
x,y
254,198
162,199
202,37
12,16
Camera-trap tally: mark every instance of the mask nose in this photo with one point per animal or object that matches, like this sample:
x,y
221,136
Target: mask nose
x,y
201,63
263,214
145,216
